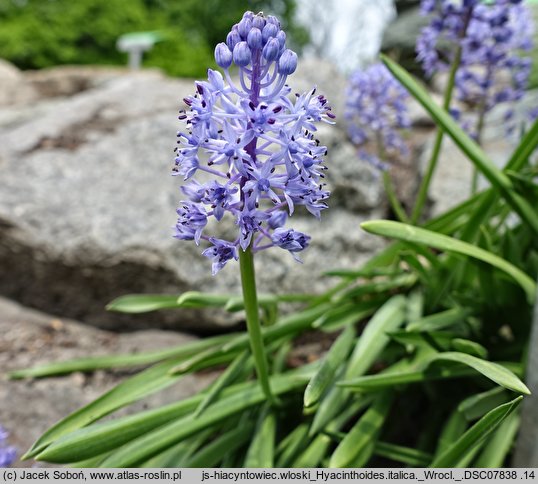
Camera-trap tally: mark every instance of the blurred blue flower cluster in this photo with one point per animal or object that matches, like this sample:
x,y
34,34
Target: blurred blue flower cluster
x,y
256,145
492,36
7,452
376,108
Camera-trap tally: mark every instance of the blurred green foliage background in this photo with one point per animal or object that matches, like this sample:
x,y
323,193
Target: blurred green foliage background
x,y
42,33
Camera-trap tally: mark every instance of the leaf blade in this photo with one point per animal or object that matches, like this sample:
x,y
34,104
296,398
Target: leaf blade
x,y
397,230
493,371
362,434
472,437
142,303
325,375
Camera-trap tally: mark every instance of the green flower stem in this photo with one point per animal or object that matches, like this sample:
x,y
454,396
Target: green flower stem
x,y
479,129
248,281
432,164
389,186
393,199
425,184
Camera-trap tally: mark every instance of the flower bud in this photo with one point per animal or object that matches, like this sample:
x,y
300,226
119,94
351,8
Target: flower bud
x,y
270,30
258,22
271,19
277,219
281,37
242,54
287,62
233,38
290,239
244,27
270,51
223,55
254,38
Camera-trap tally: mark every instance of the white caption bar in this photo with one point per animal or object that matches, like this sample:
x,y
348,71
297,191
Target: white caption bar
x,y
266,476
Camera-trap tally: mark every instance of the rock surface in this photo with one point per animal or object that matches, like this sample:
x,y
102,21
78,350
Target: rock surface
x,y
87,204
29,407
70,80
526,453
14,87
400,37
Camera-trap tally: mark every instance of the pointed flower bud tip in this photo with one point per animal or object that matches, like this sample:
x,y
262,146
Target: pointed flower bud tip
x,y
271,50
287,62
223,55
242,54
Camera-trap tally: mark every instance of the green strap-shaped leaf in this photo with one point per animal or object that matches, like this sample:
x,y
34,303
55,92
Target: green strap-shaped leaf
x,y
370,344
397,230
100,438
142,303
526,148
175,456
401,281
103,437
235,304
357,312
324,377
438,321
479,431
72,448
500,444
488,206
291,445
470,347
374,337
493,371
211,454
452,430
145,383
317,449
286,327
119,361
195,299
405,455
440,340
374,383
228,377
331,404
363,433
476,406
261,452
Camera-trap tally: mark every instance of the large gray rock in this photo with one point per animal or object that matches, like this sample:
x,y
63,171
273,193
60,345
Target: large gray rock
x,y
87,204
29,407
400,37
404,5
402,33
69,80
14,87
